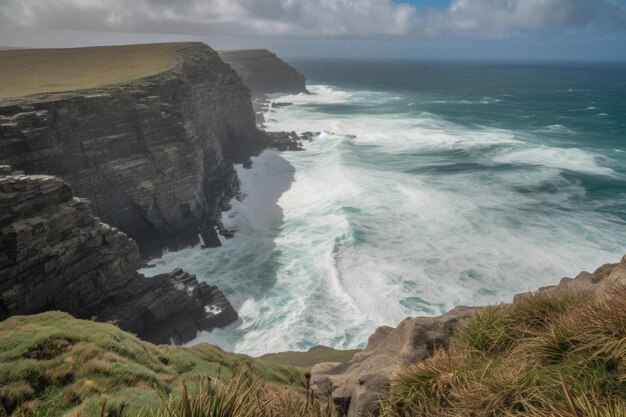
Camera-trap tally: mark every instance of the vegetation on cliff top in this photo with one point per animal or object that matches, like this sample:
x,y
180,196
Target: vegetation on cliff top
x,y
34,71
306,360
550,354
54,365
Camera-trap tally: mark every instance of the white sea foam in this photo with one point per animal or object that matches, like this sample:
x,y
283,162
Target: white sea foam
x,y
413,216
557,129
571,159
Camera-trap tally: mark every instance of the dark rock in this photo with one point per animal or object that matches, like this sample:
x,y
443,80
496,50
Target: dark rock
x,y
54,255
227,233
280,105
309,135
210,239
154,155
264,73
286,141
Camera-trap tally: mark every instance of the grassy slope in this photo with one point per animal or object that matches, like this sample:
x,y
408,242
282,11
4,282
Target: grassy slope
x,y
62,366
33,71
544,355
306,360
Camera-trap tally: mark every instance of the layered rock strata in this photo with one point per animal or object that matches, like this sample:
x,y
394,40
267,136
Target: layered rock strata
x,y
154,155
357,384
264,73
55,255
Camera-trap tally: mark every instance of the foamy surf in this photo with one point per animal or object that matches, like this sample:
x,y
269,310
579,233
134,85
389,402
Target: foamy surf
x,y
395,213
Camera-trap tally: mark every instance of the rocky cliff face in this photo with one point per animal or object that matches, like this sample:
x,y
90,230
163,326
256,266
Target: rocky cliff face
x,y
54,255
357,384
264,73
154,155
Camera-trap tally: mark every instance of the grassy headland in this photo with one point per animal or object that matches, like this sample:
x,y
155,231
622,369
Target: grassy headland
x,y
33,71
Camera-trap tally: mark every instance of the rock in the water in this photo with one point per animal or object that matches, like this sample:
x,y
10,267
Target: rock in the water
x,y
54,255
289,141
278,105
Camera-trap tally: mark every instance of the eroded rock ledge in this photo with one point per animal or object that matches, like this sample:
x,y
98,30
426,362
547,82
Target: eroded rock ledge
x,y
154,155
55,255
356,385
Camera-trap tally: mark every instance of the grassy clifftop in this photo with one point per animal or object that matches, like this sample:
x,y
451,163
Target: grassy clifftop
x,y
34,71
57,365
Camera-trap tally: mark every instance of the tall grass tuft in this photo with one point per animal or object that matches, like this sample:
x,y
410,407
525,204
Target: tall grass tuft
x,y
560,354
243,396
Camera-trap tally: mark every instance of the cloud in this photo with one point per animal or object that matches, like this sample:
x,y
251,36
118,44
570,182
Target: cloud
x,y
312,18
487,18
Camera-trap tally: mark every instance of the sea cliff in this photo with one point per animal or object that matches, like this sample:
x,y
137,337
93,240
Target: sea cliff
x,y
55,255
264,73
154,155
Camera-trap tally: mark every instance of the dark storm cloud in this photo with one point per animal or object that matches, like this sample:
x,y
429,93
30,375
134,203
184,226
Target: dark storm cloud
x,y
314,18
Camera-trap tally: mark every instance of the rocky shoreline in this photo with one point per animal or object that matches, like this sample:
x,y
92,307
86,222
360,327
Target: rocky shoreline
x,y
154,158
57,256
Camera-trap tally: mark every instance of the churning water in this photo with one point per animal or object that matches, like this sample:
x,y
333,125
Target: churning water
x,y
431,185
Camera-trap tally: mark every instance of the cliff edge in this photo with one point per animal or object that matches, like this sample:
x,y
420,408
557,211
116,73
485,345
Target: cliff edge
x,y
54,255
153,154
263,72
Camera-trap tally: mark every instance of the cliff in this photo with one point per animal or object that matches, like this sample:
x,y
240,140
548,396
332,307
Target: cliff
x,y
393,353
54,255
153,154
263,72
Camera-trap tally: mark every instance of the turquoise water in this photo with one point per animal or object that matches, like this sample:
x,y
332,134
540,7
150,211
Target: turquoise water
x,y
431,185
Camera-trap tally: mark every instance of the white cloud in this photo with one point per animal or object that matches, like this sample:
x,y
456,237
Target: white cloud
x,y
311,18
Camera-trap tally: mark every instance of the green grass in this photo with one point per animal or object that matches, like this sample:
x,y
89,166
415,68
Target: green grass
x,y
54,365
34,71
306,360
550,354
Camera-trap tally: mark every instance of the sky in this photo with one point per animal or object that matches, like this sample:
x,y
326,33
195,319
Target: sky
x,y
410,29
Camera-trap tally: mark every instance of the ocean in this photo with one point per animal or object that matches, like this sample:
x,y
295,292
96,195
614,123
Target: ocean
x,y
432,184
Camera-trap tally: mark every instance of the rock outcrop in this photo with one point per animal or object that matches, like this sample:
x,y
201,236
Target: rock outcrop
x,y
54,255
264,73
154,155
356,385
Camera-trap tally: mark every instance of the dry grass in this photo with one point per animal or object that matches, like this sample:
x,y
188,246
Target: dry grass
x,y
244,396
33,71
561,355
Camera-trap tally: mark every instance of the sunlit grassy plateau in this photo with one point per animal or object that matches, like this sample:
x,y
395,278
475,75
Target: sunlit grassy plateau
x,y
34,71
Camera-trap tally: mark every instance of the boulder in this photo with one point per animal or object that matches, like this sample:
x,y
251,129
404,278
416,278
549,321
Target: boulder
x,y
356,385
